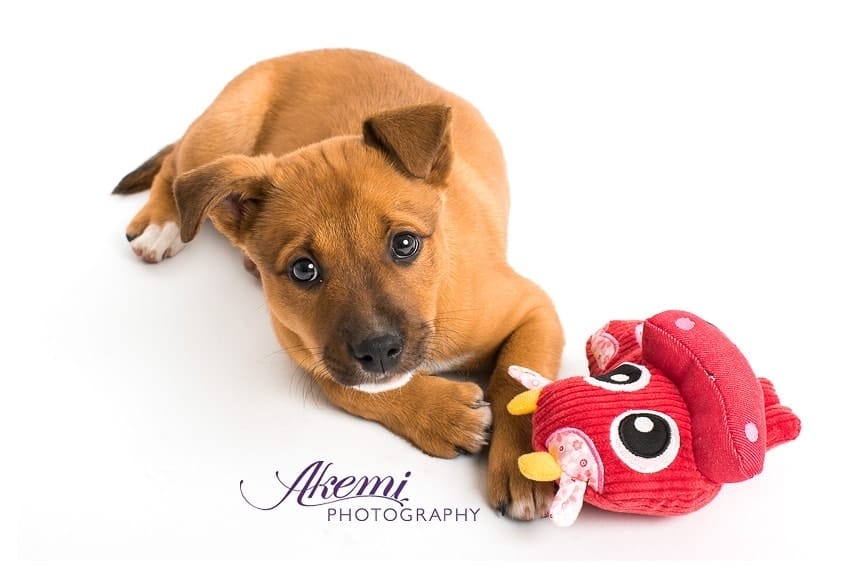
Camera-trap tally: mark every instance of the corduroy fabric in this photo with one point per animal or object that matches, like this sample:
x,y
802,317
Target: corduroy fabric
x,y
613,344
682,486
678,489
782,424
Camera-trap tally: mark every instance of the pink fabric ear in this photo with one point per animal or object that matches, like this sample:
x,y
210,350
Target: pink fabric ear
x,y
724,397
612,345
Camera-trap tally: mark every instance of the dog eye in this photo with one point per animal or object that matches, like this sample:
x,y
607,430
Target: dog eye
x,y
304,270
646,441
405,246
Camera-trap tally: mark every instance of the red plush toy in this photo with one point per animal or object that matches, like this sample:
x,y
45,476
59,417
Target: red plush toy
x,y
670,412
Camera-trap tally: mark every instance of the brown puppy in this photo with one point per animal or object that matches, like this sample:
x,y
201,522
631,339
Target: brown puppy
x,y
373,205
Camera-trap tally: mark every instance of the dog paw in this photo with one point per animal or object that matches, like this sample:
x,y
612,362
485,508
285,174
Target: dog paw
x,y
508,491
456,420
156,242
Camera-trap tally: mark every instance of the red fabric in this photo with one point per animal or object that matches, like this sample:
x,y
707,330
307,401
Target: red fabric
x,y
701,381
573,402
617,341
724,397
782,425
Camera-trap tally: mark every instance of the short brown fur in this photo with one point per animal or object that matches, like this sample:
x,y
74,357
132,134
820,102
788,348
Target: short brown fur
x,y
329,155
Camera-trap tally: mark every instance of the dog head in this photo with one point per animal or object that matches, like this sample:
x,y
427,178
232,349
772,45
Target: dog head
x,y
346,234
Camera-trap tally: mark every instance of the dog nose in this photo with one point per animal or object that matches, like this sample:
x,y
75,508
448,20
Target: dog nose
x,y
378,354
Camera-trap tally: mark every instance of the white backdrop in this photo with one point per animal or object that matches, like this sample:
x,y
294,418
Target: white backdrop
x,y
661,156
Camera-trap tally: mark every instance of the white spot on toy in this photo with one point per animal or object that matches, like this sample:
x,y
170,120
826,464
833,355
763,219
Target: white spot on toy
x,y
643,424
685,323
751,431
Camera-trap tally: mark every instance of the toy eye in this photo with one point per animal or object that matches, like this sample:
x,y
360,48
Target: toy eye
x,y
624,377
646,441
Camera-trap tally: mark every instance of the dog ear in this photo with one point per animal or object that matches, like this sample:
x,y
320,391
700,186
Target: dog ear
x,y
416,139
230,190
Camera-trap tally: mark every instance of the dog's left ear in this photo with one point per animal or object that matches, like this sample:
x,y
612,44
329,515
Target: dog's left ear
x,y
229,190
416,139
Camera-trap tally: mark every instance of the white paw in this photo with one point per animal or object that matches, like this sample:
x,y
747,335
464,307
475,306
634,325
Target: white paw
x,y
158,242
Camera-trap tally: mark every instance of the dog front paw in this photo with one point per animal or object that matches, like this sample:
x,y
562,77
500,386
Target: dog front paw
x,y
454,419
508,491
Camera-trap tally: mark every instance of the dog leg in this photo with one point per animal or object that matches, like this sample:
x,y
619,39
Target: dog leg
x,y
154,233
536,343
442,418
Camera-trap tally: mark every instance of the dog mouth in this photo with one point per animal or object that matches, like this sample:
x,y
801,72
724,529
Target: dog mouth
x,y
349,375
384,384
351,368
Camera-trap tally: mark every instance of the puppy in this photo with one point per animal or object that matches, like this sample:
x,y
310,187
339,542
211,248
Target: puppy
x,y
372,204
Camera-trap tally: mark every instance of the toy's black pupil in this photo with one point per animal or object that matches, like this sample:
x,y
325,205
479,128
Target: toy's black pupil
x,y
623,374
405,245
304,270
646,435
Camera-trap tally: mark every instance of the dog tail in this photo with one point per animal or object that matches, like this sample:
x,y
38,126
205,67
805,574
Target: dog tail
x,y
141,178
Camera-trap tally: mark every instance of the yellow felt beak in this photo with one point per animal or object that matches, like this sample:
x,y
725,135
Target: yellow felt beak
x,y
539,466
524,403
